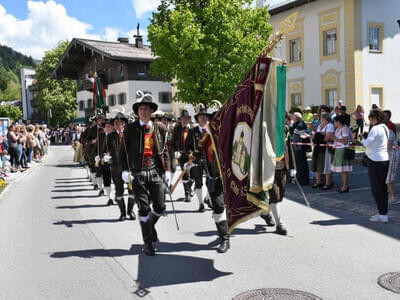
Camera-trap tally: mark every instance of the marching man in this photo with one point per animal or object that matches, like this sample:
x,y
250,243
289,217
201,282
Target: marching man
x,y
146,165
204,155
115,146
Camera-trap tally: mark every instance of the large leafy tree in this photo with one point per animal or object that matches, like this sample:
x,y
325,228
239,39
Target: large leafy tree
x,y
3,85
207,46
55,96
10,111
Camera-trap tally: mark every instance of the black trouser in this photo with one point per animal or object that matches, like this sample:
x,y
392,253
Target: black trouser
x,y
172,162
14,161
106,171
303,172
148,188
216,192
377,172
92,166
187,182
196,173
119,191
360,128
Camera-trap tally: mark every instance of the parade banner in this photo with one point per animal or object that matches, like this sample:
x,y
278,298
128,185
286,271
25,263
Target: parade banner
x,y
99,94
275,104
245,155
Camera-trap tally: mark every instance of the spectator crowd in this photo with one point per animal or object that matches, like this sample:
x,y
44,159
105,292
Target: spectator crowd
x,y
330,138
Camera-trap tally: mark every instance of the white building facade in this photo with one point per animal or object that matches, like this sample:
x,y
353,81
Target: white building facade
x,y
342,50
27,80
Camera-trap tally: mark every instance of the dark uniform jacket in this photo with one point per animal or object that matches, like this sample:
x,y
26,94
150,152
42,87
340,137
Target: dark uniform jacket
x,y
177,140
113,149
194,138
97,147
134,141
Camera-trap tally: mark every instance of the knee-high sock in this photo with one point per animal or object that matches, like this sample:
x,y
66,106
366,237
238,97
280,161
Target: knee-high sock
x,y
199,194
93,178
107,191
88,173
100,182
276,212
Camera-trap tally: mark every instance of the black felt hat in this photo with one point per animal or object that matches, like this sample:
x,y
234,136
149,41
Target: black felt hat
x,y
121,117
185,113
146,100
202,112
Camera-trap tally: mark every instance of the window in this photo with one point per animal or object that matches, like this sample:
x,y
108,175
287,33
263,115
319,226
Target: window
x,y
89,103
165,97
375,36
111,75
121,72
111,100
81,105
142,69
295,100
295,50
330,42
331,97
377,96
122,99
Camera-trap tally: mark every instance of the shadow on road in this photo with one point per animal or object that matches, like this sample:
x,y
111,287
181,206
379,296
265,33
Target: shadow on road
x,y
72,185
76,178
90,221
81,206
258,229
74,197
72,190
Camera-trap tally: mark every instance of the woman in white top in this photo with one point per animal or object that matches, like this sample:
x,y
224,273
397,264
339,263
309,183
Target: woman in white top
x,y
321,159
377,156
342,140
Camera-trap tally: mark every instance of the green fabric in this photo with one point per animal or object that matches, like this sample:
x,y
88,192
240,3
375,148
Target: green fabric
x,y
100,98
280,111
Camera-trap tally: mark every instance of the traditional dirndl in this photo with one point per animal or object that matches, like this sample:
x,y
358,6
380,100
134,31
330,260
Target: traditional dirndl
x,y
393,162
339,164
321,161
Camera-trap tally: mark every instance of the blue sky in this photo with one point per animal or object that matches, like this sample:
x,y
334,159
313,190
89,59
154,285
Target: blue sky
x,y
34,26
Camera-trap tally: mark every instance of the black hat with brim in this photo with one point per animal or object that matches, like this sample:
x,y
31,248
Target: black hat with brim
x,y
120,116
185,113
202,112
145,101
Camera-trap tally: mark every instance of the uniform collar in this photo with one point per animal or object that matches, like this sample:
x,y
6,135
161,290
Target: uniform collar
x,y
150,123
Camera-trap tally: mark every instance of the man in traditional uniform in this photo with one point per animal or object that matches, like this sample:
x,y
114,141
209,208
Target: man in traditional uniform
x,y
195,135
95,140
180,145
105,161
147,163
204,155
115,148
84,142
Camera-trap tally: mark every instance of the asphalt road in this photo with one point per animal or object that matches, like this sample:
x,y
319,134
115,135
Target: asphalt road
x,y
58,240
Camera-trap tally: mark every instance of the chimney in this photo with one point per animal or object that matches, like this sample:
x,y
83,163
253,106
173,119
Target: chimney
x,y
138,38
123,40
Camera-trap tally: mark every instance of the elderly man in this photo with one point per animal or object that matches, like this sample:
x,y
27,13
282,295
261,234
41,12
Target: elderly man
x,y
300,135
307,116
147,165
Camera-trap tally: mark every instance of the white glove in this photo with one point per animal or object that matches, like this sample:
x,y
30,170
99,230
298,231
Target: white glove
x,y
107,158
167,177
125,176
187,167
178,154
97,159
293,173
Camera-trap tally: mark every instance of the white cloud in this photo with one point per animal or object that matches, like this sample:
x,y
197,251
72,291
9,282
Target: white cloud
x,y
47,24
142,7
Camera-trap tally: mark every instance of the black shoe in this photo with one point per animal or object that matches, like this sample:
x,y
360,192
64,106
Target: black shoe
x,y
132,216
317,185
148,249
122,218
95,187
268,220
187,198
101,193
280,229
224,246
328,187
344,191
110,202
201,208
208,202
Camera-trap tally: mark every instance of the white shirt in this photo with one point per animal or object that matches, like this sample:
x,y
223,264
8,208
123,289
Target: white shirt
x,y
326,129
340,134
376,143
144,124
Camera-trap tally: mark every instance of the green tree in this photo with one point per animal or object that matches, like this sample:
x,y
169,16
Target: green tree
x,y
55,96
207,46
3,85
10,111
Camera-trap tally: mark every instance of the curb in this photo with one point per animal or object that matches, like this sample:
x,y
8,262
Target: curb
x,y
18,179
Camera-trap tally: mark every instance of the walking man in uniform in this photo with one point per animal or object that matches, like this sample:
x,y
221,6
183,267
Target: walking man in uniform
x,y
147,165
